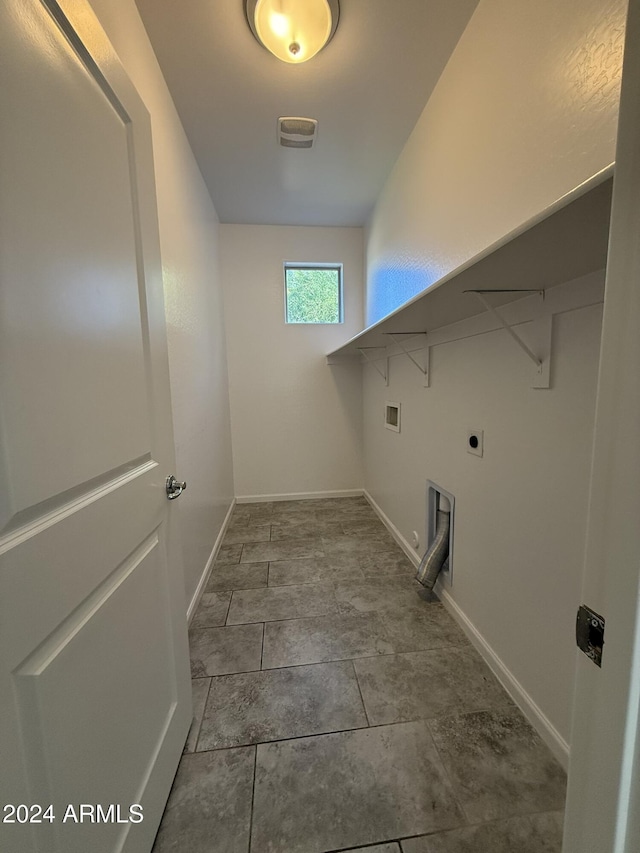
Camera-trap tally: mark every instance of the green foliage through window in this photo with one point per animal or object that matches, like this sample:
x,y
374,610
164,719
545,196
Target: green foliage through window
x,y
313,294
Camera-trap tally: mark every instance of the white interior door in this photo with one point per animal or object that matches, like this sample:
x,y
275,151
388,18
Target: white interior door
x,y
603,802
94,678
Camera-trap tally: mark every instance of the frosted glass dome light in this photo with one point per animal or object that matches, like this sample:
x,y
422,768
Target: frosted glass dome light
x,y
293,30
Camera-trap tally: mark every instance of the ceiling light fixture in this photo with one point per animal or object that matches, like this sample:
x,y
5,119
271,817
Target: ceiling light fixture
x,y
293,30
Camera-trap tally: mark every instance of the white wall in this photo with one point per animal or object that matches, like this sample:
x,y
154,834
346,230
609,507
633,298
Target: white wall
x,y
525,111
193,300
296,422
520,512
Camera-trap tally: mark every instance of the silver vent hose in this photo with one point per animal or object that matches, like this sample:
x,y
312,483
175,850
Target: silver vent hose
x,y
437,553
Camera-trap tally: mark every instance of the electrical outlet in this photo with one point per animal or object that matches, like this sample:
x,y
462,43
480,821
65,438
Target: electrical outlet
x,y
475,441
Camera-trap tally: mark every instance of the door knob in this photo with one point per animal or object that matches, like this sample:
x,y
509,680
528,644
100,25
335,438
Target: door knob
x,y
174,487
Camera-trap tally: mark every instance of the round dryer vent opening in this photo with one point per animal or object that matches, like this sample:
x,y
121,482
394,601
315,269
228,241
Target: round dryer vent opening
x,y
297,132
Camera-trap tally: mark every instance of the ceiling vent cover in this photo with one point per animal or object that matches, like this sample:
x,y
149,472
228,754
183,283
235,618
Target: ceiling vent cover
x,y
296,132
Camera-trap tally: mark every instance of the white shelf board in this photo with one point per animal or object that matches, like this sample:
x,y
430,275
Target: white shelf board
x,y
566,241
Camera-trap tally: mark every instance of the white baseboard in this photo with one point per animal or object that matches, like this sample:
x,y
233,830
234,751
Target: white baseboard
x,y
411,553
197,595
541,723
299,496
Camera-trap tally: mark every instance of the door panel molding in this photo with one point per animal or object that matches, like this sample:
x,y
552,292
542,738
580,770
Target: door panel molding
x,y
41,657
94,667
22,527
59,750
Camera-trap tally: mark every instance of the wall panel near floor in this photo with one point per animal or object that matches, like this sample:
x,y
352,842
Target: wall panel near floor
x,y
297,423
193,301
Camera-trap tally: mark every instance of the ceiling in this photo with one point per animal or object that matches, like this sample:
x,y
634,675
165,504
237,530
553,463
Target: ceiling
x,y
367,89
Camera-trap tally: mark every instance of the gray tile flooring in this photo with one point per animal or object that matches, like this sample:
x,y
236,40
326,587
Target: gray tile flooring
x,y
336,710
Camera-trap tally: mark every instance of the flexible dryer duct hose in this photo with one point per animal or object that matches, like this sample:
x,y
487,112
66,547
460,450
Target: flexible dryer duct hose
x,y
437,553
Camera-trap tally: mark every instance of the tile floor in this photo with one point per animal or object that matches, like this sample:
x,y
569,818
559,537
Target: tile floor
x,y
335,709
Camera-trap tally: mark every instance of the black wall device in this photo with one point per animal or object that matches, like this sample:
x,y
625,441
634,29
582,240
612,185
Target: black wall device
x,y
590,633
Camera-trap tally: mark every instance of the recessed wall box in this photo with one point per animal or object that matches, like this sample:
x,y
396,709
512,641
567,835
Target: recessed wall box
x,y
392,416
475,442
439,498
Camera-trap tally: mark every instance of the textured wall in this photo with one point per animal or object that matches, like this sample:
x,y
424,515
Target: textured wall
x,y
193,299
525,111
296,422
521,508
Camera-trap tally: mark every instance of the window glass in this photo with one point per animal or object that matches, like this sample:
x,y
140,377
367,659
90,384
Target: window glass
x,y
313,294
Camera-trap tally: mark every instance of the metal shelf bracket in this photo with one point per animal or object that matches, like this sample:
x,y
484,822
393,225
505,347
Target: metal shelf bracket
x,y
397,338
374,361
542,329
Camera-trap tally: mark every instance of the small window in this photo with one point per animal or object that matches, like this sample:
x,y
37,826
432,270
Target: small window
x,y
313,293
